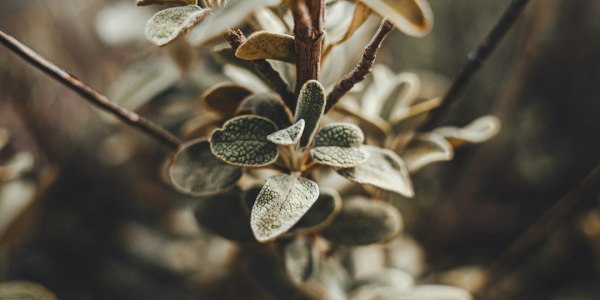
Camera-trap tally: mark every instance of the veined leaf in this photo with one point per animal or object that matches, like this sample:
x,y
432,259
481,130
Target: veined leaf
x,y
478,131
299,260
413,17
326,207
425,149
161,2
310,107
24,290
339,157
281,203
383,169
268,45
168,24
243,142
288,136
268,105
339,135
195,170
337,145
225,98
363,222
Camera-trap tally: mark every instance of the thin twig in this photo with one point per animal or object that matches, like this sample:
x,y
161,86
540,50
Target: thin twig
x,y
309,32
88,93
476,59
235,38
362,69
542,225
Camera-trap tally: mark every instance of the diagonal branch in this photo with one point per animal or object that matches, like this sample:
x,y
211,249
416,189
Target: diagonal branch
x,y
476,59
362,69
88,93
235,38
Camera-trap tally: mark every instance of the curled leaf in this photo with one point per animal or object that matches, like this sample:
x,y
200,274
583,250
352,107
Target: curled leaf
x,y
413,17
168,24
24,290
195,170
383,169
298,260
288,136
268,45
281,203
478,131
363,222
425,149
225,98
360,15
268,105
339,157
310,107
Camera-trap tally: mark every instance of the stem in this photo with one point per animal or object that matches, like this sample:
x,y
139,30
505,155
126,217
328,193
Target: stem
x,y
362,69
308,31
476,59
88,93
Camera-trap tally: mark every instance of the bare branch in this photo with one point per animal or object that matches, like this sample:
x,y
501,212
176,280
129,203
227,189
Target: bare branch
x,y
308,30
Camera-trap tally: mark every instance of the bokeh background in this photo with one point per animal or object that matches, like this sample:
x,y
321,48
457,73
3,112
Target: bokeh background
x,y
97,223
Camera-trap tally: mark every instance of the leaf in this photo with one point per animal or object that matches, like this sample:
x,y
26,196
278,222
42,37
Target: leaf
x,y
360,15
267,19
436,292
268,272
333,279
4,137
288,136
413,17
337,145
281,203
363,222
268,105
326,207
268,45
298,260
401,97
212,211
383,169
425,149
415,115
195,170
19,164
168,24
243,142
225,98
339,157
339,135
201,126
310,107
225,55
478,131
162,2
372,125
24,290
387,277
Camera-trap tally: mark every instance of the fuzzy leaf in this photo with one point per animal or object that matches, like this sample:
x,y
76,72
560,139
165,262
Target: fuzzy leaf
x,y
298,260
339,157
225,98
281,203
311,105
243,142
162,2
383,169
195,170
326,207
168,24
267,105
339,135
17,290
413,17
478,131
268,45
425,149
288,136
363,222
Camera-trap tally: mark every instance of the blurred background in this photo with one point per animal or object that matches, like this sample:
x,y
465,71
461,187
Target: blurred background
x,y
84,213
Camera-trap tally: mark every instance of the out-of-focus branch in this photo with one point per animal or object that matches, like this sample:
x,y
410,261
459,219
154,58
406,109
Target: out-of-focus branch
x,y
362,69
308,31
88,93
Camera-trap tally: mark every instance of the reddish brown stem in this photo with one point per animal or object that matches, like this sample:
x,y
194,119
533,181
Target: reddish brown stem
x,y
308,31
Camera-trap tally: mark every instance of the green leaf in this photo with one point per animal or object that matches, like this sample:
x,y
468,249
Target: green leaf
x,y
168,24
413,17
24,290
339,135
281,203
195,170
225,98
243,142
363,222
268,105
336,145
268,45
339,157
288,136
310,107
326,207
383,169
425,149
299,260
478,131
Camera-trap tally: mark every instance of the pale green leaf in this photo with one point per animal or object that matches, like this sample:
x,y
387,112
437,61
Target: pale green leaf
x,y
425,149
243,142
195,170
288,136
168,24
299,260
24,290
163,2
413,17
310,107
281,203
268,105
478,131
225,98
383,169
339,157
363,222
268,45
339,135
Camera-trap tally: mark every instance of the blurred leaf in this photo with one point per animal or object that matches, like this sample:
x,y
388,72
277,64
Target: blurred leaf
x,y
243,142
201,126
400,97
339,135
225,55
162,2
387,277
195,170
268,45
360,15
383,169
288,136
225,98
268,272
363,222
333,279
435,292
281,203
414,116
168,24
19,164
326,207
298,259
339,157
413,17
24,290
372,125
478,131
425,149
311,105
268,105
266,19
4,137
